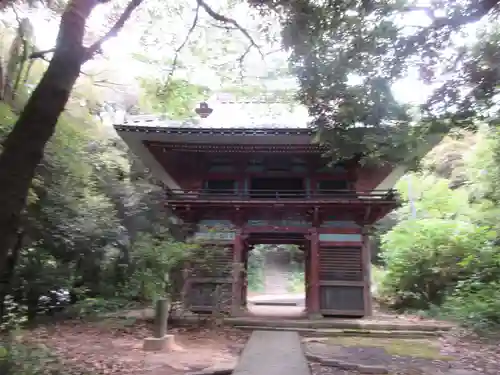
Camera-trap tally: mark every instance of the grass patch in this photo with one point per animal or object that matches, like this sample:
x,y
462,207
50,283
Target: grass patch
x,y
427,349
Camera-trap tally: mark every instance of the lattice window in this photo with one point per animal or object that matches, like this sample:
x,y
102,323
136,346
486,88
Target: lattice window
x,y
209,295
340,264
215,262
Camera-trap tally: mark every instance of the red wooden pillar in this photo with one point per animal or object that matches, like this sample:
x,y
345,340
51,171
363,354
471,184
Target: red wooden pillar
x,y
367,265
314,300
244,284
237,286
186,271
307,271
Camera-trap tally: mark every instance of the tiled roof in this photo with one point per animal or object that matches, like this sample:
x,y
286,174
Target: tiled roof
x,y
235,114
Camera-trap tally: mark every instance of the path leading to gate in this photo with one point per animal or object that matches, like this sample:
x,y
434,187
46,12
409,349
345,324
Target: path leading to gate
x,y
297,299
273,353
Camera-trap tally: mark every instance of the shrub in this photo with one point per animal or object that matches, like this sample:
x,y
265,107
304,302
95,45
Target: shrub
x,y
377,277
475,304
98,306
423,260
476,300
20,359
152,259
297,282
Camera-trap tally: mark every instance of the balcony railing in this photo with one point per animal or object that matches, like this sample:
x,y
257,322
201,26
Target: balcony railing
x,y
283,195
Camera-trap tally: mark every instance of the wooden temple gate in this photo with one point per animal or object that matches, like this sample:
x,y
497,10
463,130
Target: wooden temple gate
x,y
235,184
337,277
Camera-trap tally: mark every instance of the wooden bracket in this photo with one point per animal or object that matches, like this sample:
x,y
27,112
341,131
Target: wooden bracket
x,y
315,219
367,214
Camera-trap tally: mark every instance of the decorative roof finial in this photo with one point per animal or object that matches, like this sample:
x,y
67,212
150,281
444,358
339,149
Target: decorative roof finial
x,y
204,110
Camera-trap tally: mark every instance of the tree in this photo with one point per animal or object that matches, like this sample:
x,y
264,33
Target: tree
x,y
347,55
24,147
448,159
446,260
175,98
95,225
331,42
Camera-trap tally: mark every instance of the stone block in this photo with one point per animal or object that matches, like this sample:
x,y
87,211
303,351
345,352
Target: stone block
x,y
158,344
315,316
214,371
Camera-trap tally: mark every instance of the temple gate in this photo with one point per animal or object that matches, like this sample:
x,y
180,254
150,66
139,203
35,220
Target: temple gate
x,y
238,187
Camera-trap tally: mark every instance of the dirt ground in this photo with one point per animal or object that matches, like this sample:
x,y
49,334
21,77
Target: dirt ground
x,y
114,346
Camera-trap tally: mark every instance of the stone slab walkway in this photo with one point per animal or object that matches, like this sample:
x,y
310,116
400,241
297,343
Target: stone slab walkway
x,y
273,353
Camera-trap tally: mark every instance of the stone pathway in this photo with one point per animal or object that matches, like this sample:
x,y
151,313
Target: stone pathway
x,y
276,279
273,353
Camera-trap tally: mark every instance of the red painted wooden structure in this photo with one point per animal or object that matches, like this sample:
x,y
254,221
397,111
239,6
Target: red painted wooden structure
x,y
239,187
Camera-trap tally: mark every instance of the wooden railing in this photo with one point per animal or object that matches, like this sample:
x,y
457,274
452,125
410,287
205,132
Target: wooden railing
x,y
230,194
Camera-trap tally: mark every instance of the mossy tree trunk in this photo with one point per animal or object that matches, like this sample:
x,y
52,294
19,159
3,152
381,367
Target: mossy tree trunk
x,y
23,148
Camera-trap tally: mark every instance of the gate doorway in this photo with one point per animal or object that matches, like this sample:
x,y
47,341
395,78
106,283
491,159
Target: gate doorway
x,y
275,270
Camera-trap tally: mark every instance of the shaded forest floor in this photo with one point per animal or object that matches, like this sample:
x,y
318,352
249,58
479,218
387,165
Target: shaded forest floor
x,y
114,346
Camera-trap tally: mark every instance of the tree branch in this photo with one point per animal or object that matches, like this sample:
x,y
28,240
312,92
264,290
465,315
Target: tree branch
x,y
224,27
221,18
41,54
474,14
181,47
114,30
241,60
429,12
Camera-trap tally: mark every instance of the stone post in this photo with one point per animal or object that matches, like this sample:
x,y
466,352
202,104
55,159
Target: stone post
x,y
161,317
160,339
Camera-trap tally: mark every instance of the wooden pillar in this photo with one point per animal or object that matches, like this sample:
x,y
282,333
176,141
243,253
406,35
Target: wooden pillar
x,y
314,300
367,265
186,272
244,284
238,247
307,272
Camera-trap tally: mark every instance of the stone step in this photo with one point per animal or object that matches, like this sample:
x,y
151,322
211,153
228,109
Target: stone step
x,y
338,324
310,332
274,303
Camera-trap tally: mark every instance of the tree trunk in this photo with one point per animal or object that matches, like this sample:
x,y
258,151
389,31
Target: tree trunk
x,y
24,147
8,274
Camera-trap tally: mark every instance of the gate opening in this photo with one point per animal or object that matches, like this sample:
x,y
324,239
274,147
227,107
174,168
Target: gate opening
x,y
276,281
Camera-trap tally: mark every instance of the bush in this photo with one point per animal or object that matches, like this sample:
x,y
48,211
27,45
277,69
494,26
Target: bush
x,y
297,282
424,261
255,270
98,306
476,300
151,260
21,359
377,277
255,279
475,304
